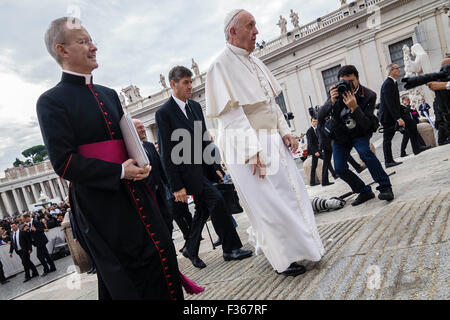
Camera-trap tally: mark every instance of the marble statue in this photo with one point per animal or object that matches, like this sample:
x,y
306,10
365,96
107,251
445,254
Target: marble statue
x,y
294,19
420,65
195,68
282,24
162,80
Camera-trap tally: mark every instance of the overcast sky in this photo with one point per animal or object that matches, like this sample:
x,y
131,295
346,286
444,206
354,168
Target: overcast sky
x,y
137,40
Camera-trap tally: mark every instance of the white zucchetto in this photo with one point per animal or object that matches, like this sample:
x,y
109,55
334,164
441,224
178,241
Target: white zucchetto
x,y
230,17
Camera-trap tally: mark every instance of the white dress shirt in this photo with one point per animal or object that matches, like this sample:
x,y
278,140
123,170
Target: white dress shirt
x,y
17,239
181,104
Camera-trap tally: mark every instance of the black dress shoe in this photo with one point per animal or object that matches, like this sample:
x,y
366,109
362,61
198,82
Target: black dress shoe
x,y
327,184
196,261
361,169
218,242
403,155
237,254
94,271
35,275
3,282
314,184
293,270
26,280
363,197
91,270
422,148
52,270
181,250
44,274
386,194
392,164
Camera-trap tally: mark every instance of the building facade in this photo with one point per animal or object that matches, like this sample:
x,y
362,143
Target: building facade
x,y
22,187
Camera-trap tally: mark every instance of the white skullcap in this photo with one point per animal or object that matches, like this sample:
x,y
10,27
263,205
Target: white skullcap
x,y
230,17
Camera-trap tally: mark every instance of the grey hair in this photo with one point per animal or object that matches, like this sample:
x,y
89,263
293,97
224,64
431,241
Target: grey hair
x,y
56,34
178,72
390,66
234,23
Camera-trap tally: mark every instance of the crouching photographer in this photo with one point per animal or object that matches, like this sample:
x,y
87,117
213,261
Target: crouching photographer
x,y
351,124
440,84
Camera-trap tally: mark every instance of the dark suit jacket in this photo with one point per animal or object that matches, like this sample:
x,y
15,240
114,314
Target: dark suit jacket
x,y
24,241
313,141
38,237
187,174
390,107
157,176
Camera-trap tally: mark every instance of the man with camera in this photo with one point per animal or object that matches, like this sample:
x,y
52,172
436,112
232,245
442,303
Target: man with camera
x,y
441,104
351,124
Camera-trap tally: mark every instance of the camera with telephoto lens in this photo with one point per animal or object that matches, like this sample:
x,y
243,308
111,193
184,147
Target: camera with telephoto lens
x,y
343,86
399,128
441,76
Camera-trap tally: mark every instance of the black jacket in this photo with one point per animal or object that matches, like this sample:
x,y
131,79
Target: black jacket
x,y
390,107
187,174
38,237
24,242
313,141
363,116
157,175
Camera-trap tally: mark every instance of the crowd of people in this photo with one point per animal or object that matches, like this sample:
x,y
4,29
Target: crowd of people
x,y
25,231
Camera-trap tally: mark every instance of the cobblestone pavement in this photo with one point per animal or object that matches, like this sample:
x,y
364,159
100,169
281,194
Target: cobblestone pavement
x,y
379,250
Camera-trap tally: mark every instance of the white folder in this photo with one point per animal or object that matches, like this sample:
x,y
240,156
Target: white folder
x,y
132,142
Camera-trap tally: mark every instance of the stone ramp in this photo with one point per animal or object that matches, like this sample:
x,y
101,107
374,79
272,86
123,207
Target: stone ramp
x,y
399,253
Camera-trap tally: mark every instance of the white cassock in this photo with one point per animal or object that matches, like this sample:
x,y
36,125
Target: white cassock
x,y
240,93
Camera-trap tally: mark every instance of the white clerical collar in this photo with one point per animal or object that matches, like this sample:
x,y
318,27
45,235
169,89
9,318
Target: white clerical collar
x,y
238,50
88,77
395,80
180,103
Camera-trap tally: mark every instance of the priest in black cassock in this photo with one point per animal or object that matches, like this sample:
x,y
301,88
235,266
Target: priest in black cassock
x,y
79,122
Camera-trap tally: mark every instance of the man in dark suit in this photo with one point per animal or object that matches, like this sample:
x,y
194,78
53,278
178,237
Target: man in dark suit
x,y
313,149
39,240
392,116
21,244
411,118
390,112
181,138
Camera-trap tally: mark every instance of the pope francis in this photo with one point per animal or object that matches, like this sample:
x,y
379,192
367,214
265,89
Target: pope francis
x,y
254,140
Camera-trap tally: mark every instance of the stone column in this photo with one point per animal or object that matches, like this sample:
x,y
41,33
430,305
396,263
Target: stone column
x,y
61,188
35,193
9,210
2,211
52,187
17,200
150,136
27,196
41,184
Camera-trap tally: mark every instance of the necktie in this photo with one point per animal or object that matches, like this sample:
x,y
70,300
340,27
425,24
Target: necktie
x,y
15,240
189,113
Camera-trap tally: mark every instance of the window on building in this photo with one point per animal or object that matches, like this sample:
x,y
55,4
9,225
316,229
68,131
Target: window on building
x,y
330,78
282,103
396,53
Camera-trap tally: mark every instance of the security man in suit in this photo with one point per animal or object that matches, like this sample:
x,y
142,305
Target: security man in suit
x,y
39,240
186,167
21,244
313,149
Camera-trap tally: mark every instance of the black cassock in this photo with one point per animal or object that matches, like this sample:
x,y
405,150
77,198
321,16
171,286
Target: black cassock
x,y
117,219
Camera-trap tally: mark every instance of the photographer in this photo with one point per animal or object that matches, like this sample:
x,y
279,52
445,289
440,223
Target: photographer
x,y
352,123
441,106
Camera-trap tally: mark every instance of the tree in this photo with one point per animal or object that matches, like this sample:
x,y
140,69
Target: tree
x,y
18,163
35,154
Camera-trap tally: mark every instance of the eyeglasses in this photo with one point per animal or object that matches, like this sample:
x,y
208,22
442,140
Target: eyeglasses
x,y
84,41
